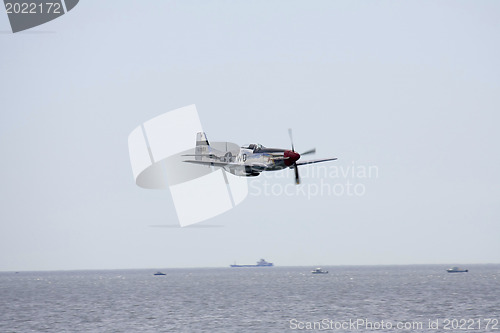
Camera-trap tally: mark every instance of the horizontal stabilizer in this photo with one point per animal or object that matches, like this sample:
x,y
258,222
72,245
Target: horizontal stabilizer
x,y
201,155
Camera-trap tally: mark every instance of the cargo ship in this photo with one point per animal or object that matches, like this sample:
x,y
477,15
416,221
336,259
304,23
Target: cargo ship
x,y
457,270
260,263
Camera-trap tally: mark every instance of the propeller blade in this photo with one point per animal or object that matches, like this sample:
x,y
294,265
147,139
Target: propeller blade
x,y
291,139
297,178
310,151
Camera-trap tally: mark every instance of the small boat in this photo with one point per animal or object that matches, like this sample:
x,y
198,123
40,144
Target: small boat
x,y
319,271
260,263
159,273
457,270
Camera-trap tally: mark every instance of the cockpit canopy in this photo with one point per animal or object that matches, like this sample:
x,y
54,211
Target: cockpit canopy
x,y
253,146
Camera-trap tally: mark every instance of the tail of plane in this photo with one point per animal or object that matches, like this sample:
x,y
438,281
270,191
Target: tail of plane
x,y
202,145
203,149
201,139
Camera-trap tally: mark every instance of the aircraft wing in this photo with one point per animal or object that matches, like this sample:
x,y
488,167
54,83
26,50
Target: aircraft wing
x,y
316,161
214,163
255,166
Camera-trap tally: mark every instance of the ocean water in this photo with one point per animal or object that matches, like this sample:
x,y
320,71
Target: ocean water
x,y
420,298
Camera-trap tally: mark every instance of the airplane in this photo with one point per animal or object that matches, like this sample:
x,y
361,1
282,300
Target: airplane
x,y
252,159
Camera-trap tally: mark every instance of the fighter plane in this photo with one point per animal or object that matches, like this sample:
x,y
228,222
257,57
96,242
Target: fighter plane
x,y
251,159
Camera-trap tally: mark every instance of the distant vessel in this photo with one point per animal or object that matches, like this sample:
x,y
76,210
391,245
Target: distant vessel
x,y
159,273
260,263
319,271
457,270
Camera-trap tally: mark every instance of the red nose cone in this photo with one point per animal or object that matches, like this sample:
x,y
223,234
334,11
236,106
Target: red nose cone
x,y
291,157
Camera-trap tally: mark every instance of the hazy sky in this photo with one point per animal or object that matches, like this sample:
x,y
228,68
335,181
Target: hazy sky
x,y
410,88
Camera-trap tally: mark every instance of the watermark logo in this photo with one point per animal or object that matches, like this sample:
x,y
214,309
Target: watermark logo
x,y
318,181
158,149
31,13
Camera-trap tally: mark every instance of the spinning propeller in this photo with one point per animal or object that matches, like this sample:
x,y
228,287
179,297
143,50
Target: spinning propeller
x,y
291,157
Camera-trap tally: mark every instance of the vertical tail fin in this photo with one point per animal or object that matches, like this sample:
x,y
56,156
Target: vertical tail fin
x,y
201,139
202,145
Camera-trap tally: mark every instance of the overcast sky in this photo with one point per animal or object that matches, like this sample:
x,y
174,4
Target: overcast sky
x,y
409,88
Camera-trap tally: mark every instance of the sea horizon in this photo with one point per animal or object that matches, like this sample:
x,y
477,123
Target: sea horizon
x,y
445,265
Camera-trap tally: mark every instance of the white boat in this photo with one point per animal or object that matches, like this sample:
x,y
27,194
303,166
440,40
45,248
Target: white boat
x,y
319,271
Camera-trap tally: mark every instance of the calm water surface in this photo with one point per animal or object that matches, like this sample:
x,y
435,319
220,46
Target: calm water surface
x,y
277,299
